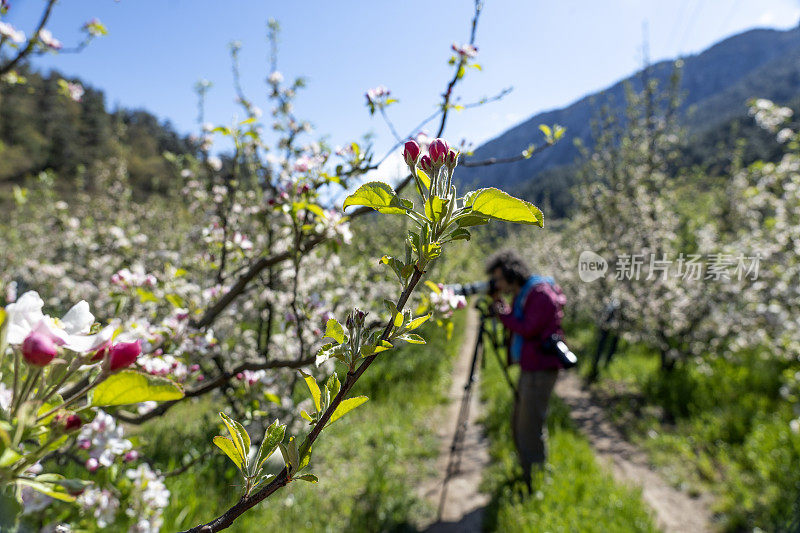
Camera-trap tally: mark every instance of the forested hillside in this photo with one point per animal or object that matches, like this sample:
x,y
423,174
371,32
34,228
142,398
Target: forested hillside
x,y
43,129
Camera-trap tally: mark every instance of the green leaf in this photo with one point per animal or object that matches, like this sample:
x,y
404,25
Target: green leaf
x,y
435,208
333,385
313,388
273,436
397,266
325,353
432,250
398,320
546,130
459,234
346,406
175,300
235,437
334,330
369,349
423,177
432,286
272,397
54,491
10,508
129,386
146,296
411,338
379,196
231,450
471,220
500,205
308,206
291,457
417,322
245,439
311,478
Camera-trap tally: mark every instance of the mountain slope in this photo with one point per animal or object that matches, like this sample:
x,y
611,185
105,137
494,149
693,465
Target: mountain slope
x,y
716,84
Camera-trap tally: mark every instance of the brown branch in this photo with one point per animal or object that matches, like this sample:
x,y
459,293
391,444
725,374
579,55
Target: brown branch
x,y
500,160
187,466
245,503
449,92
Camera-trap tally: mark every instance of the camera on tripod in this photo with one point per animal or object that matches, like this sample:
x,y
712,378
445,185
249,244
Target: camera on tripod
x,y
478,287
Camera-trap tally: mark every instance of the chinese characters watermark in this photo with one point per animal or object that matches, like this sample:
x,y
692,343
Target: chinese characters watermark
x,y
689,267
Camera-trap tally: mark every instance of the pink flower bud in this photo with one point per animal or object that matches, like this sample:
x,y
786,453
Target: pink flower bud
x,y
438,150
123,354
239,375
101,352
84,444
92,464
73,422
426,164
411,153
201,377
131,456
194,368
451,159
38,349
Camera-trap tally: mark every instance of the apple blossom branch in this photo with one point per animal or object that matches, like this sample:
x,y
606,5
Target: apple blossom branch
x,y
42,36
283,478
28,48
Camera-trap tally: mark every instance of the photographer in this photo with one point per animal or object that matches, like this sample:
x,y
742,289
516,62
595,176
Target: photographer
x,y
533,317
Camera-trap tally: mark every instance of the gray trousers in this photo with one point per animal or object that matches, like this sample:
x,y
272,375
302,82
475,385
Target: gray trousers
x,y
530,416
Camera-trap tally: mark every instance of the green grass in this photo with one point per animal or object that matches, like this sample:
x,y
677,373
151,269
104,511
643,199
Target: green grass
x,y
369,463
576,493
719,426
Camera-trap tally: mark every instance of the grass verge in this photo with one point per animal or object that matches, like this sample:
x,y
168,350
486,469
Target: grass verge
x,y
718,426
576,493
369,464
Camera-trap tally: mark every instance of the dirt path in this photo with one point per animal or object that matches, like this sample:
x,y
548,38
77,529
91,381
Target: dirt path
x,y
463,503
675,511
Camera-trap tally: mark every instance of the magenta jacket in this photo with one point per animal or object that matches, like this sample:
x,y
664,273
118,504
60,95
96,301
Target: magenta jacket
x,y
542,316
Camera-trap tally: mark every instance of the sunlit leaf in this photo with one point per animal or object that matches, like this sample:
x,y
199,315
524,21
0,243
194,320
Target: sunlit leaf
x,y
129,386
334,330
379,196
346,406
272,438
313,388
227,445
235,436
417,322
500,205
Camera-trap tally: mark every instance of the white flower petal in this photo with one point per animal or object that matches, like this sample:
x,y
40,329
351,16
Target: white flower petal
x,y
89,343
78,319
23,316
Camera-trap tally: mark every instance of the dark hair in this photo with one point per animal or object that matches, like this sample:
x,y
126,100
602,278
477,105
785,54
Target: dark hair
x,y
511,265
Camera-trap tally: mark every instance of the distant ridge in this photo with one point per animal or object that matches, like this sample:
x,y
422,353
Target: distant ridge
x,y
716,83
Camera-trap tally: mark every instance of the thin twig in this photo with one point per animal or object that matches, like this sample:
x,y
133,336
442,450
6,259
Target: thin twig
x,y
245,503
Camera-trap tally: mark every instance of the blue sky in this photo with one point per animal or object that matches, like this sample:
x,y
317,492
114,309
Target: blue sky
x,y
550,52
